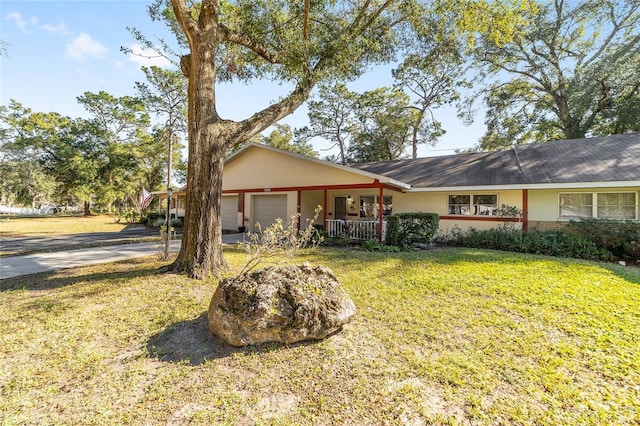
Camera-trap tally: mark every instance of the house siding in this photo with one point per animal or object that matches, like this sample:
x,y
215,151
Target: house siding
x,y
543,204
263,168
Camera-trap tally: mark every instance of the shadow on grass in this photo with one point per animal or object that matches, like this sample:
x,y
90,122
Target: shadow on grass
x,y
191,342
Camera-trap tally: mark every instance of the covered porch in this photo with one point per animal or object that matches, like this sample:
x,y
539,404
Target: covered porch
x,y
353,211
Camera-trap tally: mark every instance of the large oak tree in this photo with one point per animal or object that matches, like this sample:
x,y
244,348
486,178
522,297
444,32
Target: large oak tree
x,y
296,42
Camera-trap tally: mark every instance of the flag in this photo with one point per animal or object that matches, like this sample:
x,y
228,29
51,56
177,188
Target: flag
x,y
145,198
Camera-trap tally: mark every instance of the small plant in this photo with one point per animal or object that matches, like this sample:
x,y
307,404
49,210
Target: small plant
x,y
509,212
280,240
374,245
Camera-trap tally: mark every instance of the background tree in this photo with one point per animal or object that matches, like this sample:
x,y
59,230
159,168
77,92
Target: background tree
x,y
118,128
282,137
331,117
432,78
573,73
166,96
55,143
383,131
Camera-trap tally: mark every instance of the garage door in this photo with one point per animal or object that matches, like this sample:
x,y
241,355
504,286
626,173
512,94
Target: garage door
x,y
267,208
230,212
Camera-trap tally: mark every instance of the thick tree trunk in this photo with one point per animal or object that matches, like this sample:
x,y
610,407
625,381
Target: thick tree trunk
x,y
201,250
87,208
209,139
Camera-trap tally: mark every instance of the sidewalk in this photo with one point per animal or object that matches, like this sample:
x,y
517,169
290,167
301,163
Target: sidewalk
x,y
35,263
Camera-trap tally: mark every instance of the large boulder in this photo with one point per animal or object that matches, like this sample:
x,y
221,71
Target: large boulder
x,y
279,304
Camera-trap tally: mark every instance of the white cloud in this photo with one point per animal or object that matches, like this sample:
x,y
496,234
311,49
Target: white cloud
x,y
147,57
20,22
61,28
83,47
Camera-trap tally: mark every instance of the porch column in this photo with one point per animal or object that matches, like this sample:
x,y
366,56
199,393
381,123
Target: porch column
x,y
525,209
298,208
324,208
380,213
240,209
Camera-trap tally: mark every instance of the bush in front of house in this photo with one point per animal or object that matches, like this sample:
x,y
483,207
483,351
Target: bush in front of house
x,y
621,238
404,229
550,243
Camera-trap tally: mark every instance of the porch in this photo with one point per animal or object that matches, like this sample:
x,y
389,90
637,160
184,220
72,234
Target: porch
x,y
356,229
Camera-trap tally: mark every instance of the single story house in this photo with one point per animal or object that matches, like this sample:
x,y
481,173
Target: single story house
x,y
549,183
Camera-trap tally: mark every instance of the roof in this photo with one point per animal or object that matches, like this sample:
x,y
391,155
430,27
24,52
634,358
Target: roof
x,y
606,159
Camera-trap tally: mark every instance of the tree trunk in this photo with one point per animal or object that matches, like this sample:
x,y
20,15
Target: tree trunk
x,y
209,139
201,250
87,208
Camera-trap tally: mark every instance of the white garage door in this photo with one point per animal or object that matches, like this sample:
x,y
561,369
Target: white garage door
x,y
230,212
267,208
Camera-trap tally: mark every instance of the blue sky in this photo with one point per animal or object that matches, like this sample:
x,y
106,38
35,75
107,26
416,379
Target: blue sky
x,y
57,50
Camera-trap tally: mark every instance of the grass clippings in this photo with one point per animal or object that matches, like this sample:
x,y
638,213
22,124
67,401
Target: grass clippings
x,y
441,337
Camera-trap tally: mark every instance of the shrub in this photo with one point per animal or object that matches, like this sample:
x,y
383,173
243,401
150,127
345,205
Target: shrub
x,y
403,229
551,243
622,238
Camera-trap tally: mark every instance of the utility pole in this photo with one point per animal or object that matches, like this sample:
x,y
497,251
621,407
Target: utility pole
x,y
167,245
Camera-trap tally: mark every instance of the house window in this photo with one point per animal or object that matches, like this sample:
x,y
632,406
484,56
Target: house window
x,y
603,205
369,206
576,205
621,205
467,204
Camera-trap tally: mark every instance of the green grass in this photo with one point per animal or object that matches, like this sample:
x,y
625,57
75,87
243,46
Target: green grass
x,y
48,225
451,336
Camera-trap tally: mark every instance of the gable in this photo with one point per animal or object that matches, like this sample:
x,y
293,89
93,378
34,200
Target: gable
x,y
262,167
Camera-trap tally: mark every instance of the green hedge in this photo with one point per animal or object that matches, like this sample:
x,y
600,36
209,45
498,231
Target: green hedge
x,y
403,229
551,243
622,238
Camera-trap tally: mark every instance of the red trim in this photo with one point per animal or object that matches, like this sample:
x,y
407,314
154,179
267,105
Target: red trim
x,y
525,209
298,209
482,218
324,207
375,184
380,212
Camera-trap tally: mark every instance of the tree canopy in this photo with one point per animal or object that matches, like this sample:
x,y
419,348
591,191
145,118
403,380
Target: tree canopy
x,y
571,72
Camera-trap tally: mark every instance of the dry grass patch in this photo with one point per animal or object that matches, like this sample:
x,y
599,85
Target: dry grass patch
x,y
443,337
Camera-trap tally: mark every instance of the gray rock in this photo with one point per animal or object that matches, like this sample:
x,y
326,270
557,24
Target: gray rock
x,y
279,304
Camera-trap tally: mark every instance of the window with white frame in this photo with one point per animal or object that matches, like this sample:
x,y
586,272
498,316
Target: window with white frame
x,y
473,204
369,206
603,205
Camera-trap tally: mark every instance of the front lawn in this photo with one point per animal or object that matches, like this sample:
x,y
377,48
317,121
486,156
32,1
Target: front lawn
x,y
59,224
451,336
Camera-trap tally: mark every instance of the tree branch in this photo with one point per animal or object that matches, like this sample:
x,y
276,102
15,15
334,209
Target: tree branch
x,y
227,34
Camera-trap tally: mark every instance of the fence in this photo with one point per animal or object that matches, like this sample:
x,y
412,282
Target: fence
x,y
23,211
355,229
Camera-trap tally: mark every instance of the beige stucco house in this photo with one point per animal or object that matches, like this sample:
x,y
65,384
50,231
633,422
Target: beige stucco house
x,y
551,183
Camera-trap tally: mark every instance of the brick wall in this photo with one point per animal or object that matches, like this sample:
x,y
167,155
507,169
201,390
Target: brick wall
x,y
547,225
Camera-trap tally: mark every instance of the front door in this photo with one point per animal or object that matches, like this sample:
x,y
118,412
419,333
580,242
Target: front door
x,y
340,208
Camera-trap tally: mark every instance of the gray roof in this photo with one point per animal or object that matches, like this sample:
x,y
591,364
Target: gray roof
x,y
613,158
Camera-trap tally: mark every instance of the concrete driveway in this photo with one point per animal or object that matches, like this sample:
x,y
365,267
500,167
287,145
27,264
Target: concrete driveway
x,y
40,243
15,266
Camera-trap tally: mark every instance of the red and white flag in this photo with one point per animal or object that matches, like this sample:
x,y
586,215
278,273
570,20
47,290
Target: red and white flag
x,y
145,198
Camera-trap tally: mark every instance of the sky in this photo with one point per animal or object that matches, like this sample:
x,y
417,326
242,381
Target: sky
x,y
58,50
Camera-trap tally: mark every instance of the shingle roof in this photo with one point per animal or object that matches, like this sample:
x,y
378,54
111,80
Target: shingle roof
x,y
613,158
